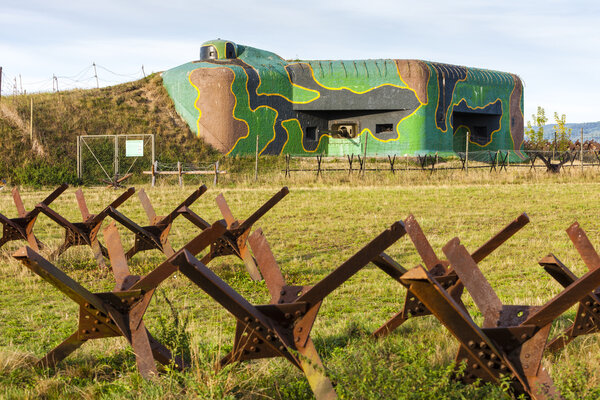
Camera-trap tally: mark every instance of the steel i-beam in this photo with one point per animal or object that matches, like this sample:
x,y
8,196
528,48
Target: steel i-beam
x,y
235,240
155,235
282,328
84,233
119,312
512,339
21,228
439,269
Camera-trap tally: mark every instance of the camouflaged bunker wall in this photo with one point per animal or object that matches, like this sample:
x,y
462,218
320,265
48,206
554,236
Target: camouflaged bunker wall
x,y
235,92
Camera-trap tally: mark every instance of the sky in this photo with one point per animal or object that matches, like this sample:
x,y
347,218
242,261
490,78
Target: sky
x,y
552,45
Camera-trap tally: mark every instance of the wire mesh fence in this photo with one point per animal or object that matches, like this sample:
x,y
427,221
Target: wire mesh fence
x,y
180,169
105,158
500,160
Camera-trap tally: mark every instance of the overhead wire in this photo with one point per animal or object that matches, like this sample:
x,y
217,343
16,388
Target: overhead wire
x,y
82,79
80,73
136,74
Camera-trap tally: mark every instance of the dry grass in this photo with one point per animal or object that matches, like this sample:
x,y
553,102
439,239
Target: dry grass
x,y
311,231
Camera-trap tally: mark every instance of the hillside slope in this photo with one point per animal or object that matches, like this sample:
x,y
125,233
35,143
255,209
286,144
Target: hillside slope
x,y
138,107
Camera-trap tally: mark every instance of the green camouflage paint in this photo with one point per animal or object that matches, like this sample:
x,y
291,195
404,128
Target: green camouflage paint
x,y
403,107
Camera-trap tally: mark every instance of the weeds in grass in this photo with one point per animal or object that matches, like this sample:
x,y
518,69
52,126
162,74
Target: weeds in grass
x,y
172,331
317,227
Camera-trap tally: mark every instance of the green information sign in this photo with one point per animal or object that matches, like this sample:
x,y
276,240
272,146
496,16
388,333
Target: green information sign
x,y
134,148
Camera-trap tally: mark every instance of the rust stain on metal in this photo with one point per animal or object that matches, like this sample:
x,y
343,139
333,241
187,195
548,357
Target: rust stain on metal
x,y
282,328
21,228
155,235
234,242
507,348
440,270
512,340
120,312
84,233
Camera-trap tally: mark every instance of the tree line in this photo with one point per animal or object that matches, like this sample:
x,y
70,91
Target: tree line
x,y
535,133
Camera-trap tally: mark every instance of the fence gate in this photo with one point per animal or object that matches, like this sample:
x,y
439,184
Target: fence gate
x,y
101,157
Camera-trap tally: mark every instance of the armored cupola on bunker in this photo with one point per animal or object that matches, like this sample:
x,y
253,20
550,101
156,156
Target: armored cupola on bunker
x,y
337,107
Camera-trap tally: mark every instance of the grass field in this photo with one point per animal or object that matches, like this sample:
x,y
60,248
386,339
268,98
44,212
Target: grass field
x,y
313,230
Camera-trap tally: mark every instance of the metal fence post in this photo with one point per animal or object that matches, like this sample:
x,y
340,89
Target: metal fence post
x,y
256,161
216,181
363,166
581,151
153,169
179,173
116,156
78,158
467,153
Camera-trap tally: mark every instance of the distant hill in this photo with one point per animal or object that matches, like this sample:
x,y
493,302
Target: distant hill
x,y
591,130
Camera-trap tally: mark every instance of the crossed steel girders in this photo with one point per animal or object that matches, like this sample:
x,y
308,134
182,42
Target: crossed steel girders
x,y
282,328
235,239
587,319
512,339
84,233
445,276
155,235
21,228
116,313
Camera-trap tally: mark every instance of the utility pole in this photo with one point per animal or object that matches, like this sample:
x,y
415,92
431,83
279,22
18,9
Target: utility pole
x,y
54,80
96,75
143,72
21,83
0,83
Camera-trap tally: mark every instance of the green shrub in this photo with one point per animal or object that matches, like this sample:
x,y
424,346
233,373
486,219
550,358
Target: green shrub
x,y
39,173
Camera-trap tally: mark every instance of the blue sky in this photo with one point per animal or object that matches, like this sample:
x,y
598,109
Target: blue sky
x,y
552,45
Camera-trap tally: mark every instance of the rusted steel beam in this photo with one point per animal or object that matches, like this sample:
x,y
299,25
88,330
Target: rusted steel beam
x,y
234,242
472,278
115,182
475,344
84,233
506,233
587,319
438,268
156,234
512,340
584,246
195,246
282,328
21,228
120,312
